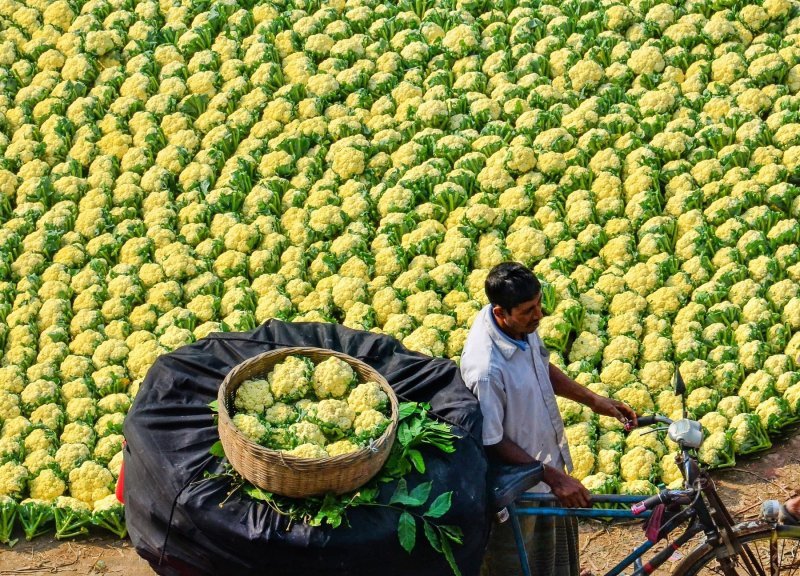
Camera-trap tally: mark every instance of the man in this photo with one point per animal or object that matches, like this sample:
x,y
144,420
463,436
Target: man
x,y
505,365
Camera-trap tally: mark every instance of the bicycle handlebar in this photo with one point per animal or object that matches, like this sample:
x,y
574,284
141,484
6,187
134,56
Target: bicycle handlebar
x,y
652,419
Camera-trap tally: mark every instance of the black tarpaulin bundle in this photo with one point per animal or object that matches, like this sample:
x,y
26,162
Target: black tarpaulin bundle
x,y
173,512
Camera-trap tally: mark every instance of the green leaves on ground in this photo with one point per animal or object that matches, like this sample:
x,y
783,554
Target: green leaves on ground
x,y
439,536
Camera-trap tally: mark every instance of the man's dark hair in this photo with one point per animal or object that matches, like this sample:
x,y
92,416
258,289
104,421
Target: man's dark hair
x,y
510,284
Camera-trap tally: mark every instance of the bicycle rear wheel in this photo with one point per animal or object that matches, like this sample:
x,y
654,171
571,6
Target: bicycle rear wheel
x,y
766,551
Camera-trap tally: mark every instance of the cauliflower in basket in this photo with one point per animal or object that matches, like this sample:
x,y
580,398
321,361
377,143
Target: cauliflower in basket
x,y
370,422
279,414
367,396
290,379
332,378
334,417
308,433
253,396
341,447
308,450
250,426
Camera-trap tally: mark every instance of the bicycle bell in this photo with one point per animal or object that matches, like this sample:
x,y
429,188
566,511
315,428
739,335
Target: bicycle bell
x,y
770,510
686,433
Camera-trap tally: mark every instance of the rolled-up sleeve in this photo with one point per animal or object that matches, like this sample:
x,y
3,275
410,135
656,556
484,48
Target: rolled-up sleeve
x,y
492,397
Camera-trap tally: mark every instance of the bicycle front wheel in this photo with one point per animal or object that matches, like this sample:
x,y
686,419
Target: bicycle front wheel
x,y
765,551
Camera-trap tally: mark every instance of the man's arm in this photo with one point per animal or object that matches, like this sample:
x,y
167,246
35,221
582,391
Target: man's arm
x,y
569,491
565,386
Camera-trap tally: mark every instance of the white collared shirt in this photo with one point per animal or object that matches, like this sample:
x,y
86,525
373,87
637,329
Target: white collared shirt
x,y
516,396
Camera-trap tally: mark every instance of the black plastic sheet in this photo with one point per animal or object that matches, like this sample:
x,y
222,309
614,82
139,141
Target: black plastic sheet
x,y
173,512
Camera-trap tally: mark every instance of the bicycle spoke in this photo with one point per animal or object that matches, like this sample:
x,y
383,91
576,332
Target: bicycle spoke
x,y
774,559
766,556
789,559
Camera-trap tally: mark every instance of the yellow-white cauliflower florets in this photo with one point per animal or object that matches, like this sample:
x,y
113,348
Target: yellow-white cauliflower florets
x,y
332,378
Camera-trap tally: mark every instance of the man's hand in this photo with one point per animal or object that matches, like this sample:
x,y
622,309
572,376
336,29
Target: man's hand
x,y
569,491
615,409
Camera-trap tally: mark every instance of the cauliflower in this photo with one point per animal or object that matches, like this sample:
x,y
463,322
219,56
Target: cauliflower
x,y
580,434
13,479
756,388
369,395
639,463
291,379
253,396
250,426
70,456
332,378
617,374
40,439
671,474
657,375
78,432
107,447
81,409
370,423
645,438
714,422
115,402
341,447
334,417
774,413
583,461
38,460
308,450
308,432
586,347
47,485
730,406
749,434
90,482
701,401
280,414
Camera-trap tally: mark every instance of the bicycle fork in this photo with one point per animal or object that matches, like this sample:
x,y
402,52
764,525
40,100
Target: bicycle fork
x,y
732,548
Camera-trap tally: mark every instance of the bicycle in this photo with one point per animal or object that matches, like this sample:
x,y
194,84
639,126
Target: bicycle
x,y
763,547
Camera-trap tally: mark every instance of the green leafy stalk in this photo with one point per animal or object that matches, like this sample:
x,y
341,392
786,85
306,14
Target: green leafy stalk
x,y
415,429
112,519
8,512
70,522
35,517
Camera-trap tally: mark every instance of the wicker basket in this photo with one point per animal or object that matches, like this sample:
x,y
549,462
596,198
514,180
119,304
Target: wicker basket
x,y
280,473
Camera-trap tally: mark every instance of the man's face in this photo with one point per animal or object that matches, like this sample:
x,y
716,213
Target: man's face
x,y
523,318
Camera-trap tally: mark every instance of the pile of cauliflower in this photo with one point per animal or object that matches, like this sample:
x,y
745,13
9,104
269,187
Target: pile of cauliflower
x,y
310,410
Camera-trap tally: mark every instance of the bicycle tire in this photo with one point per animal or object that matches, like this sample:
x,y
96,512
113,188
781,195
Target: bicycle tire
x,y
702,560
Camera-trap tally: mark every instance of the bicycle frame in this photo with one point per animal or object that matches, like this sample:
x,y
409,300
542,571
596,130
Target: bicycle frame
x,y
707,516
546,498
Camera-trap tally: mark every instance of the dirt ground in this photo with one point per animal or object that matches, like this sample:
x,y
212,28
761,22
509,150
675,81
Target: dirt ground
x,y
773,474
